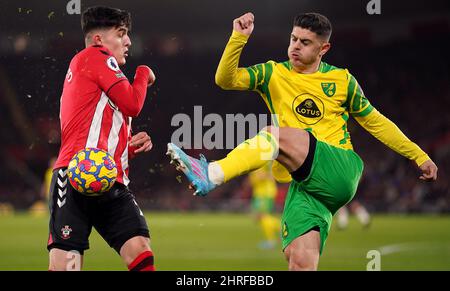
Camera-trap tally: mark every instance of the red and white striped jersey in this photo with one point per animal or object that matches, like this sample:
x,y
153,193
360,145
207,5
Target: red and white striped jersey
x,y
97,105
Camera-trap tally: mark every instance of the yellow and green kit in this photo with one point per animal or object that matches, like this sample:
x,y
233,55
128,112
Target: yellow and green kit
x,y
321,103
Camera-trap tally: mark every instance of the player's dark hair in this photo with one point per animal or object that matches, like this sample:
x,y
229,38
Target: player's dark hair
x,y
104,17
314,22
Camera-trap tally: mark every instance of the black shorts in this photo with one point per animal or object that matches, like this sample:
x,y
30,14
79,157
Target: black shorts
x,y
114,214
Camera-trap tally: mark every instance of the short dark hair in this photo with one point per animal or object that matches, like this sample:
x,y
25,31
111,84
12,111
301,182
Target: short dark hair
x,y
314,22
104,17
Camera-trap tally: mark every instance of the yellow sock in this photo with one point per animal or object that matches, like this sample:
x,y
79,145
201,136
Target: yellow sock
x,y
249,155
267,225
275,225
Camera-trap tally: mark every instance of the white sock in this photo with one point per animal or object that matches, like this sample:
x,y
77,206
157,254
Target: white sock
x,y
215,173
342,217
362,215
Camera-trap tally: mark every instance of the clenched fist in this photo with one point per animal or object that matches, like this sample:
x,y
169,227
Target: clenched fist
x,y
143,69
244,24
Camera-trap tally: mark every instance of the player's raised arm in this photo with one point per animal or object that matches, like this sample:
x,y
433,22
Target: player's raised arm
x,y
228,75
130,98
386,131
104,70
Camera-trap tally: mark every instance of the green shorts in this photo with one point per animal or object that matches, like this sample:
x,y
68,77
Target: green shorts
x,y
331,183
262,204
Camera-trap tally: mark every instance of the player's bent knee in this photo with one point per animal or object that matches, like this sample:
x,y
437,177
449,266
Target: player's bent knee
x,y
294,146
133,247
137,254
292,135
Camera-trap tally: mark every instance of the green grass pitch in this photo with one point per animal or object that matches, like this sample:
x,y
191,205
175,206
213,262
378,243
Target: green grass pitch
x,y
222,241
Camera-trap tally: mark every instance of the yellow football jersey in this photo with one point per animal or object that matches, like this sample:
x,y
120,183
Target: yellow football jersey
x,y
320,102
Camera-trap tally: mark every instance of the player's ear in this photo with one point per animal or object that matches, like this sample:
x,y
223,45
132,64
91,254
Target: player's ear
x,y
325,47
93,38
97,39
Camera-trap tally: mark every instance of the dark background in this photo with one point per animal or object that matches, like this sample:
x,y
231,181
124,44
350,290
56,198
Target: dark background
x,y
399,57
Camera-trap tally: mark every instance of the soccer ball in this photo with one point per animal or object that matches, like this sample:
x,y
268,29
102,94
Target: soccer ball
x,y
92,171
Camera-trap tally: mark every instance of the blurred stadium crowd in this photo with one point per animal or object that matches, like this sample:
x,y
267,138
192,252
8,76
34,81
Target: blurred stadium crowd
x,y
407,79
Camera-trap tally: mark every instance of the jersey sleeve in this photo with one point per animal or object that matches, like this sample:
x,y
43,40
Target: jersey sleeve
x,y
388,133
103,69
228,75
259,76
357,103
380,126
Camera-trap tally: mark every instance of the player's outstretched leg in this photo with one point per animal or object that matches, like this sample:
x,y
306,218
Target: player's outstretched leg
x,y
249,155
